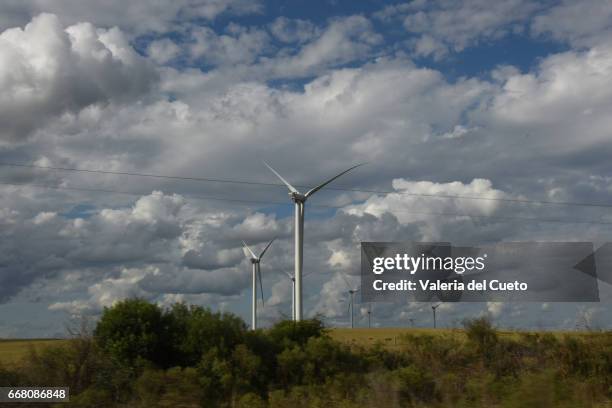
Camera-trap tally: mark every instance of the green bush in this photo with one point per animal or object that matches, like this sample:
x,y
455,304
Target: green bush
x,y
288,333
481,333
415,384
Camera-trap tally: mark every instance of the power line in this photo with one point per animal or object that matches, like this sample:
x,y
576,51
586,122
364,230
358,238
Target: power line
x,y
354,190
243,201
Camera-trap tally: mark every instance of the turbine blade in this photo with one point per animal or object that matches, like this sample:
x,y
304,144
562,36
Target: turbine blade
x,y
260,286
290,276
346,280
320,186
248,249
266,248
289,186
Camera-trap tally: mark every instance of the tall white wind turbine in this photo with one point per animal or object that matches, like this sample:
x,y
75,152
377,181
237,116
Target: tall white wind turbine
x,y
256,273
300,200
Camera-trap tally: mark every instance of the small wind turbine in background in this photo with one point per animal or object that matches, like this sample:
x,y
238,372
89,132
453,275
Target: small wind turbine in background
x,y
433,308
256,274
292,278
369,315
300,200
352,300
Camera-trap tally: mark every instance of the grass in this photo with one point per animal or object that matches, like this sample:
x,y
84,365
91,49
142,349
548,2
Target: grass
x,y
392,336
11,351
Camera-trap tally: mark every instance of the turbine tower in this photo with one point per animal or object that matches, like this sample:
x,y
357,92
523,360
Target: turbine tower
x,y
300,200
256,273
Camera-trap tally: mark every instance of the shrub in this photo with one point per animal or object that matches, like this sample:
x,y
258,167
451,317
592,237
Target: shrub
x,y
415,384
287,333
480,332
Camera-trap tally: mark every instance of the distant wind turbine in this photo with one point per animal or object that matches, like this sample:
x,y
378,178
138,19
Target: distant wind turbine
x,y
433,308
351,307
300,200
256,273
292,278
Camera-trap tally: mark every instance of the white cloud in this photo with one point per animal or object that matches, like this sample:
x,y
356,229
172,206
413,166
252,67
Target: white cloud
x,y
584,23
46,71
137,16
562,99
448,25
408,207
343,40
290,30
164,50
240,45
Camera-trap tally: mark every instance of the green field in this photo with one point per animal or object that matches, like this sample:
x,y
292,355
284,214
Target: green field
x,y
393,336
11,351
390,336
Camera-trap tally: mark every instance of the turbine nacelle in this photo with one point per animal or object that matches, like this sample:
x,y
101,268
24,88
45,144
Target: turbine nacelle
x,y
297,197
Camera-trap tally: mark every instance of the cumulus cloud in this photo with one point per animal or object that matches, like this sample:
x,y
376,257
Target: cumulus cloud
x,y
343,40
444,26
290,30
585,23
505,135
562,99
413,204
164,50
238,45
138,16
47,70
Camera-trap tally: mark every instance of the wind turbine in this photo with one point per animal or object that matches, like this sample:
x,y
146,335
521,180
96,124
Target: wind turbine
x,y
292,278
369,315
256,273
300,200
352,301
433,308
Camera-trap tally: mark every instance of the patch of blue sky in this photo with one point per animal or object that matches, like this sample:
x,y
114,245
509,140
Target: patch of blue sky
x,y
478,61
80,211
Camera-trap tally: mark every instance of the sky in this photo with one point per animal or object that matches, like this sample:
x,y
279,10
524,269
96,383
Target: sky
x,y
462,110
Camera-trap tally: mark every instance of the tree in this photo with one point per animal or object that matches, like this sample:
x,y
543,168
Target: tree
x,y
196,330
134,330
